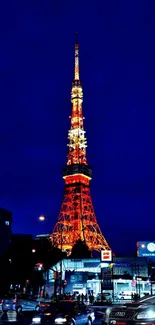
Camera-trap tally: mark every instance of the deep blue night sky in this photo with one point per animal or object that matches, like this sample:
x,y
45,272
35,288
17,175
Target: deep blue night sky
x,y
117,67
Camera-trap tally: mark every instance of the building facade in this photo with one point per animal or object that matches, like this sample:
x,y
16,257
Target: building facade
x,y
5,230
129,274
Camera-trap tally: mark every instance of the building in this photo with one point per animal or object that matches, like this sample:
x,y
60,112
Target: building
x,y
42,237
5,230
22,242
20,259
77,219
129,274
41,247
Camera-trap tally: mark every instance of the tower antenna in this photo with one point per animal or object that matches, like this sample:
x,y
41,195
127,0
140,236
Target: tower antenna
x,y
76,69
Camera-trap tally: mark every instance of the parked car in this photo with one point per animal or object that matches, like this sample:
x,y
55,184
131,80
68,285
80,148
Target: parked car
x,y
1,301
139,312
65,312
126,295
9,302
19,303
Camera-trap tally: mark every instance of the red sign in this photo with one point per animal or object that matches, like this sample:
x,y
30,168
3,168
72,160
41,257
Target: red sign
x,y
133,283
106,256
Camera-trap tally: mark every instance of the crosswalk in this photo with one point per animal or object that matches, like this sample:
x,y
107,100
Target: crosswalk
x,y
10,316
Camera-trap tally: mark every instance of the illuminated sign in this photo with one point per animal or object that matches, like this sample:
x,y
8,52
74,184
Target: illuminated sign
x,y
106,255
146,249
151,247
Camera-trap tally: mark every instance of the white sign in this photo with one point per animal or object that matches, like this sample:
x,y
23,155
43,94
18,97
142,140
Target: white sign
x,y
151,247
78,286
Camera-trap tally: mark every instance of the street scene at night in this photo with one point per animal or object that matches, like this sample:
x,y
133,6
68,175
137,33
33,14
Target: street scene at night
x,y
77,242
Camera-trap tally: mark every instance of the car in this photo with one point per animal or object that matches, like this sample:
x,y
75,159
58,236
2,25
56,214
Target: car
x,y
131,313
9,302
20,303
65,312
125,296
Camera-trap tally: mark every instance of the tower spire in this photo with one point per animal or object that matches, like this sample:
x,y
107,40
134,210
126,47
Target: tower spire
x,y
76,69
76,135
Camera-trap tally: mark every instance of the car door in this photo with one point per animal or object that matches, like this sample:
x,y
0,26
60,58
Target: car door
x,y
32,303
84,312
25,302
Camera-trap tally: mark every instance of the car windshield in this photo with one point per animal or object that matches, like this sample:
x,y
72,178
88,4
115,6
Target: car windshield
x,y
9,296
25,297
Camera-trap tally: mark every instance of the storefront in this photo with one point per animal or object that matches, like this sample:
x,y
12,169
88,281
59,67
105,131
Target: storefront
x,y
84,276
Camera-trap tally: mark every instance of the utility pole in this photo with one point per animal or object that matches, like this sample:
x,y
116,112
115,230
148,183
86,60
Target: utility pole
x,y
138,279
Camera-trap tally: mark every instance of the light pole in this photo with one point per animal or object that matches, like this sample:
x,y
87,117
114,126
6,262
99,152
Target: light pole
x,y
140,246
43,218
138,279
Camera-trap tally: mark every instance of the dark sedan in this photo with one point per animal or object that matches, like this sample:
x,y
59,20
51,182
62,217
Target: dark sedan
x,y
136,313
66,312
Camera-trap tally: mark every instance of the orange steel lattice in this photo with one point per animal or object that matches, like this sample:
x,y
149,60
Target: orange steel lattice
x,y
77,218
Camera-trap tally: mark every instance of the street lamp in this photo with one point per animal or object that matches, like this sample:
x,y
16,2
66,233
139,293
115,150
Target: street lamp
x,y
138,278
140,245
43,218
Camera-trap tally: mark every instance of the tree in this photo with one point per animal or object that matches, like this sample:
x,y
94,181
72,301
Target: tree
x,y
5,271
47,254
21,259
80,250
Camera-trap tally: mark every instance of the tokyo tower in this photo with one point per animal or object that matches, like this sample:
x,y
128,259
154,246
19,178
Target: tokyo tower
x,y
77,218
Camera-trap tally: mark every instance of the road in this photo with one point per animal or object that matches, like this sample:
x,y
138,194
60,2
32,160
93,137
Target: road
x,y
26,317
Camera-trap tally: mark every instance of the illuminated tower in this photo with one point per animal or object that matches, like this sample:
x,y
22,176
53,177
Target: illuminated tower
x,y
77,218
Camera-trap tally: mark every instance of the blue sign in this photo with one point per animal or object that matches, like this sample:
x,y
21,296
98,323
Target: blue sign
x,y
146,249
75,280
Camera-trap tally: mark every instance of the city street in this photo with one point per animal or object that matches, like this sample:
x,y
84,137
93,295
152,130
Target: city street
x,y
26,318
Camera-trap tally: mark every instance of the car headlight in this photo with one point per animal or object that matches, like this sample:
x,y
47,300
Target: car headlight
x,y
60,320
146,314
36,320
